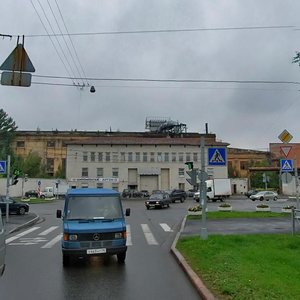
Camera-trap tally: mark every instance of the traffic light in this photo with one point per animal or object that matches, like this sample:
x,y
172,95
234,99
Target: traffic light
x,y
15,177
190,165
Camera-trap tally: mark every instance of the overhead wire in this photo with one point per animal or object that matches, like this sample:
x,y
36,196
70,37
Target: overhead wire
x,y
170,30
53,44
76,54
64,39
57,40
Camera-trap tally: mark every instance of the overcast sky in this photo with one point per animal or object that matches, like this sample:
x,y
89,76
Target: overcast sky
x,y
246,115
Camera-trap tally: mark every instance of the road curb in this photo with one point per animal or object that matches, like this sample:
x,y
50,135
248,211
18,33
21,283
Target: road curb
x,y
31,222
202,290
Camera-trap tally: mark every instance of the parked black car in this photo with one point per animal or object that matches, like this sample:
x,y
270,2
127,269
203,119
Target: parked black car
x,y
250,193
14,206
179,195
31,193
145,193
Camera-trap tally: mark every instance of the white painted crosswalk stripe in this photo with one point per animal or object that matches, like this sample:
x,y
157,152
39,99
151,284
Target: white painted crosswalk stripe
x,y
53,241
41,238
166,227
129,240
45,232
7,241
148,235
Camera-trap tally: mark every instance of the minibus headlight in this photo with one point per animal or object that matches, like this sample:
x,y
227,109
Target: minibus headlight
x,y
73,237
120,235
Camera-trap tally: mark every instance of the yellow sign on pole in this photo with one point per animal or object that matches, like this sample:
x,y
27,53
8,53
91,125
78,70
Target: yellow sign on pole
x,y
285,136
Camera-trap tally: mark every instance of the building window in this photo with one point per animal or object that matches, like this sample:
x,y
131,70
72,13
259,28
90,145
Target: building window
x,y
20,144
115,172
115,156
129,156
145,156
84,156
115,187
181,172
195,156
107,156
100,156
92,156
99,185
50,165
166,156
137,156
173,156
99,172
84,172
122,156
159,157
180,157
50,144
152,157
188,156
244,165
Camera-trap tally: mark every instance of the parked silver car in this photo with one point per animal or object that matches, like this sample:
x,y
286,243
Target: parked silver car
x,y
264,195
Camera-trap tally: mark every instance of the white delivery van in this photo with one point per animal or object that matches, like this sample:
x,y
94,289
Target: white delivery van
x,y
2,245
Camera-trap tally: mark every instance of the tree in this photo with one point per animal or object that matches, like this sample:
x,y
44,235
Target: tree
x,y
257,178
31,165
60,173
8,129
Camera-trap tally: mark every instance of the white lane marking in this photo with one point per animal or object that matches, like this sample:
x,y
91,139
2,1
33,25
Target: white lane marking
x,y
129,240
148,235
166,227
53,241
48,230
7,241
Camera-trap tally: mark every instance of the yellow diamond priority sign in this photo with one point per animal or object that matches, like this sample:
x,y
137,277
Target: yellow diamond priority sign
x,y
285,136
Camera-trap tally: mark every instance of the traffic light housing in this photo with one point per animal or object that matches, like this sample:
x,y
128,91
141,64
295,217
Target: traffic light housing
x,y
190,165
15,177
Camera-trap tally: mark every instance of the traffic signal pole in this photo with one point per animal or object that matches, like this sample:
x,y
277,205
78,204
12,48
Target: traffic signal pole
x,y
7,187
203,197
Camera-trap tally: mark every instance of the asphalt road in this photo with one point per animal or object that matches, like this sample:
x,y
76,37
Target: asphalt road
x,y
34,263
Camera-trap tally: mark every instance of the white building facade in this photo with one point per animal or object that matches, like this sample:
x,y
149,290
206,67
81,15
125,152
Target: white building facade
x,y
139,161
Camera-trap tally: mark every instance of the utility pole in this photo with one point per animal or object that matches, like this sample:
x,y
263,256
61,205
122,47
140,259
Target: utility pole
x,y
7,187
203,198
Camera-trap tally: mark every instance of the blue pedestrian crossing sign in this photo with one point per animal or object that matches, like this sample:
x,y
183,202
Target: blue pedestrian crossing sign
x,y
286,165
216,156
2,167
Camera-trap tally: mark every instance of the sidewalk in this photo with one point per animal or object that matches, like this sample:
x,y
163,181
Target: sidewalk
x,y
17,222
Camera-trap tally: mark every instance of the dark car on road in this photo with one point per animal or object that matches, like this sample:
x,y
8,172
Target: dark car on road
x,y
158,201
250,193
31,193
177,195
15,207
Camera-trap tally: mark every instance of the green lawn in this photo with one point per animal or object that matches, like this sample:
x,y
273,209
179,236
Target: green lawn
x,y
239,214
36,200
254,266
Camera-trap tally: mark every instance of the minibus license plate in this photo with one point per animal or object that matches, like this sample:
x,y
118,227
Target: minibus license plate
x,y
96,251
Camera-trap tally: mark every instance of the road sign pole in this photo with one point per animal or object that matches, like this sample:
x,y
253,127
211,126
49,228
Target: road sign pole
x,y
296,182
7,187
203,189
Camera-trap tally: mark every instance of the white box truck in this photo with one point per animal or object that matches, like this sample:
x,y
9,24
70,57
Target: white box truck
x,y
217,189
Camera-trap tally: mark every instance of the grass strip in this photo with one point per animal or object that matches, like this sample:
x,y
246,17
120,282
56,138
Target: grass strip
x,y
239,214
253,266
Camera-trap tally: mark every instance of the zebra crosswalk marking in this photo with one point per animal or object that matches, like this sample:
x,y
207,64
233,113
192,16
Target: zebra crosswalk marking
x,y
53,241
129,240
45,232
7,241
148,235
166,227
